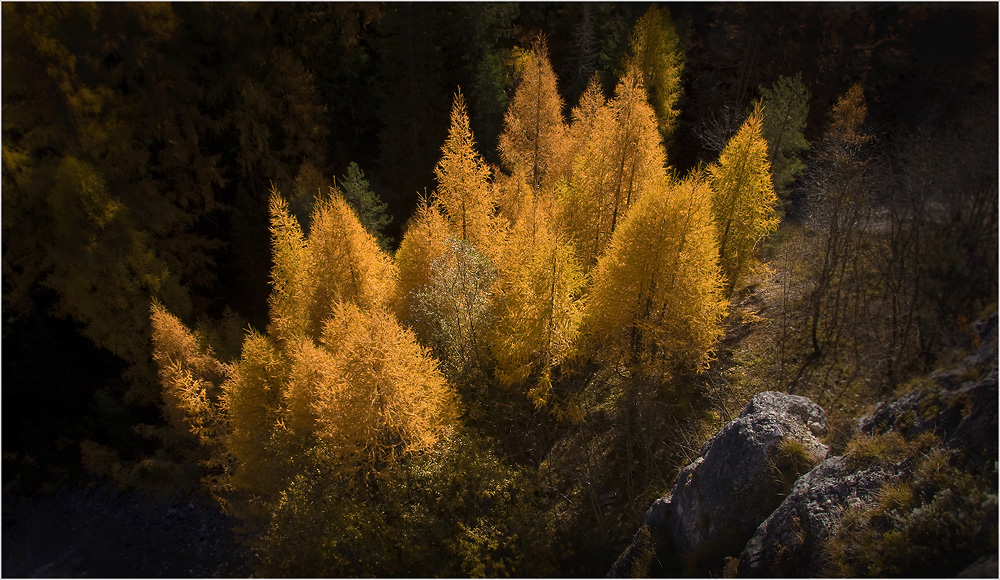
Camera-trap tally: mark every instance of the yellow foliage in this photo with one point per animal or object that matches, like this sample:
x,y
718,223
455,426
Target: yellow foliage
x,y
336,379
464,182
251,396
847,117
381,394
513,193
744,200
618,161
585,114
289,298
539,307
656,297
340,260
534,140
346,262
189,373
423,243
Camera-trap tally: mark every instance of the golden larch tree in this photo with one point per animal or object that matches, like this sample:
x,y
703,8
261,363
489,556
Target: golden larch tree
x,y
346,262
538,304
190,376
353,394
338,261
584,116
251,400
656,301
744,200
534,138
423,243
463,178
290,286
380,393
621,158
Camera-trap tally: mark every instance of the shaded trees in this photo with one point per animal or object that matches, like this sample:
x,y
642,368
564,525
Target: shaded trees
x,y
786,107
655,47
411,80
97,157
133,112
842,211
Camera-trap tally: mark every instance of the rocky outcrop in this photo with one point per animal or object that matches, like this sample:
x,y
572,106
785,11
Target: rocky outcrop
x,y
958,405
738,480
754,493
789,542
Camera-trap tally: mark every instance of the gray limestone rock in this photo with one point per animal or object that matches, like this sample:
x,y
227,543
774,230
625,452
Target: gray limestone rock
x,y
790,541
740,478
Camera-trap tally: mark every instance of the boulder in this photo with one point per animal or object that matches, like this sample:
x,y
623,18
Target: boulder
x,y
790,541
741,476
958,404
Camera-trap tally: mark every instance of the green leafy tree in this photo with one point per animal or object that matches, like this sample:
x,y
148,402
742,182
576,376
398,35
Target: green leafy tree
x,y
367,204
454,311
786,107
457,510
744,201
655,48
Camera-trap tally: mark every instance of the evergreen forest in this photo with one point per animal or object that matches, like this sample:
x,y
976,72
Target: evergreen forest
x,y
457,289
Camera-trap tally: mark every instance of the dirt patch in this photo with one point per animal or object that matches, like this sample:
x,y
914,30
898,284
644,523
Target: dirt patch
x,y
108,533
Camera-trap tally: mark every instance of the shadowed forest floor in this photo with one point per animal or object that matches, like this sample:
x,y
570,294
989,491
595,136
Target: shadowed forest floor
x,y
102,532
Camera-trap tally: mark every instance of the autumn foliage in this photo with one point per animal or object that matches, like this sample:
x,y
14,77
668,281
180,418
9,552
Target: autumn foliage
x,y
582,267
744,200
656,298
489,351
336,381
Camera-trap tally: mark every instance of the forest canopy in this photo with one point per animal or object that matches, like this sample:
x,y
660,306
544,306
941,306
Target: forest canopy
x,y
455,289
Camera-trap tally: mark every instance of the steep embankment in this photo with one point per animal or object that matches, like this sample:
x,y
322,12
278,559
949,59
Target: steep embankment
x,y
911,490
